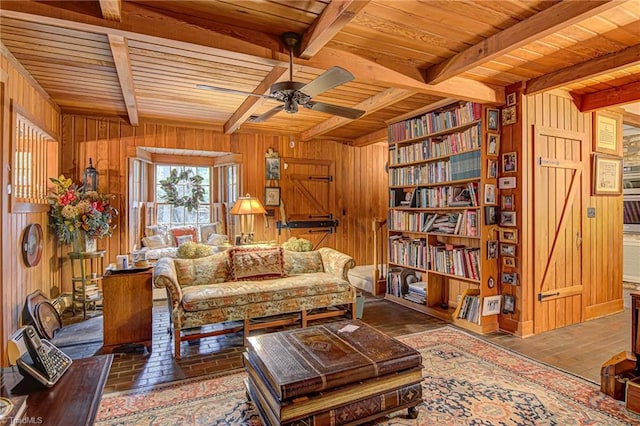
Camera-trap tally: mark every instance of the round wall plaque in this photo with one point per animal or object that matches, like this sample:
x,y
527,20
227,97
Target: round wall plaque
x,y
32,244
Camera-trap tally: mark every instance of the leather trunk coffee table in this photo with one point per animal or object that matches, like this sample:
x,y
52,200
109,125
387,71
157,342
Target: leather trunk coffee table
x,y
341,373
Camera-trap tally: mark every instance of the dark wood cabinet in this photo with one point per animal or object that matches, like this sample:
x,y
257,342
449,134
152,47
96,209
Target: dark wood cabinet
x,y
128,308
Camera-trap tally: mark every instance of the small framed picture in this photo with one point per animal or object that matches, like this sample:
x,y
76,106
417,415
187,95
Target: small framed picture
x,y
509,261
508,235
507,182
489,193
510,162
507,202
507,250
272,196
490,215
607,175
507,218
492,168
491,305
509,115
511,99
272,167
493,144
491,282
510,278
493,119
492,249
509,305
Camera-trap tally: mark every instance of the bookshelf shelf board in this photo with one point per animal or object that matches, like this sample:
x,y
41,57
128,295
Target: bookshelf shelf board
x,y
457,277
402,265
436,209
436,234
445,183
435,134
468,325
432,159
443,314
470,237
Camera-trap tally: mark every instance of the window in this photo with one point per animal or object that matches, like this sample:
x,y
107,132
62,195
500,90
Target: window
x,y
34,159
228,183
171,215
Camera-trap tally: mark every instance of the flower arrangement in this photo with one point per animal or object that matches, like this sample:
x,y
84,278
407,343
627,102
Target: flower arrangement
x,y
297,244
74,211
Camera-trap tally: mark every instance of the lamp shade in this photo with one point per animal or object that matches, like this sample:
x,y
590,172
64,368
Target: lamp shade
x,y
247,205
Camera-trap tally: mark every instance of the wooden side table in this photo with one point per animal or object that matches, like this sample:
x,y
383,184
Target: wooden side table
x,y
127,308
86,274
74,400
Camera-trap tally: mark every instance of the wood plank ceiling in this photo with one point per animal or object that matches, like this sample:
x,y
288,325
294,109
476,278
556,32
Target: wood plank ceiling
x,y
142,60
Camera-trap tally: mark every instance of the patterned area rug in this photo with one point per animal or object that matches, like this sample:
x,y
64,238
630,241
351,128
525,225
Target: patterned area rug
x,y
467,381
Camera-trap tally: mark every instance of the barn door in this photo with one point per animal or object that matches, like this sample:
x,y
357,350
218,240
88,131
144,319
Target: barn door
x,y
557,227
308,194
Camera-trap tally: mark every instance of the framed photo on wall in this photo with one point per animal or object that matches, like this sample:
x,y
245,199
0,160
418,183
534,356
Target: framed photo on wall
x,y
493,119
509,306
272,167
272,196
493,144
607,175
607,130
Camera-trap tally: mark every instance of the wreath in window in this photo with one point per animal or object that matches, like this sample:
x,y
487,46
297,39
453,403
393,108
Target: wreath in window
x,y
192,187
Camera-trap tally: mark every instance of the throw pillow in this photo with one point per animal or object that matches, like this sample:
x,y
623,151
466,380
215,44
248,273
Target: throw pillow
x,y
208,229
302,262
205,270
160,230
217,239
256,263
154,242
181,239
185,230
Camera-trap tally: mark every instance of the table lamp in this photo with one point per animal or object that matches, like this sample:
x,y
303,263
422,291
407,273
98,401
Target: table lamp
x,y
246,207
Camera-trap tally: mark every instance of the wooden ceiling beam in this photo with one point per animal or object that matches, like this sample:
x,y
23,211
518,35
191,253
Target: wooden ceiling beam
x,y
253,102
234,44
607,98
371,105
542,24
333,18
120,52
631,119
111,9
601,65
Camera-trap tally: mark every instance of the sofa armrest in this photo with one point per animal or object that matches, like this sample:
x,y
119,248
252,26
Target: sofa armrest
x,y
164,275
336,263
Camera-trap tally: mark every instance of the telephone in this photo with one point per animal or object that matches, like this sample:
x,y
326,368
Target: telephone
x,y
37,357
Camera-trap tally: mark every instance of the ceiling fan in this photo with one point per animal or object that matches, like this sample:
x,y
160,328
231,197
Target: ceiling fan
x,y
293,94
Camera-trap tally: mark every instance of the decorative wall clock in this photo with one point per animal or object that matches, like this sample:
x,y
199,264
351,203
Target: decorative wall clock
x,y
32,244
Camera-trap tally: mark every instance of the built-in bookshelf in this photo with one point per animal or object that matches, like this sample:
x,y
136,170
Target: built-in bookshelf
x,y
438,260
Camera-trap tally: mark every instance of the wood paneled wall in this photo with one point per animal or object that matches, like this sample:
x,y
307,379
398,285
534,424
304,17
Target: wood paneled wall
x,y
359,178
602,234
16,279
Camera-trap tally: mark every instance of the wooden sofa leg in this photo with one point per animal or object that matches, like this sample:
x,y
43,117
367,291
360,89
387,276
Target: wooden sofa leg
x,y
353,310
245,331
303,320
176,343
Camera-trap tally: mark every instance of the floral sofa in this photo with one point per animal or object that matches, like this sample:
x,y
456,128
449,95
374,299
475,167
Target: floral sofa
x,y
249,283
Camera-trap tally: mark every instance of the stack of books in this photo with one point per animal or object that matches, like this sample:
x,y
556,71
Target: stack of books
x,y
417,292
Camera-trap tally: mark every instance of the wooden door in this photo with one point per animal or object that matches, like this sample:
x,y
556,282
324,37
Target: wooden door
x,y
308,194
559,157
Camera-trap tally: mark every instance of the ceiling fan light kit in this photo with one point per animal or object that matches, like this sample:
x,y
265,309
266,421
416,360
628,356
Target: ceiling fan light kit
x,y
293,94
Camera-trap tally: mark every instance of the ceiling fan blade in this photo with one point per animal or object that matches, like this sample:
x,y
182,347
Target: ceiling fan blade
x,y
345,112
267,115
231,91
333,77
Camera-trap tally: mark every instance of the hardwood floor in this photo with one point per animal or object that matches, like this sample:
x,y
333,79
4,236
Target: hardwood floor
x,y
580,349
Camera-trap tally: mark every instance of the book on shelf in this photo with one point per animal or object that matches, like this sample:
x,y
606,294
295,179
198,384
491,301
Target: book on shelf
x,y
323,357
320,402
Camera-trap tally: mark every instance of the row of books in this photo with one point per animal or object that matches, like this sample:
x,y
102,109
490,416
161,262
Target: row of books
x,y
436,147
435,197
456,167
470,309
455,260
91,293
408,251
464,223
435,121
